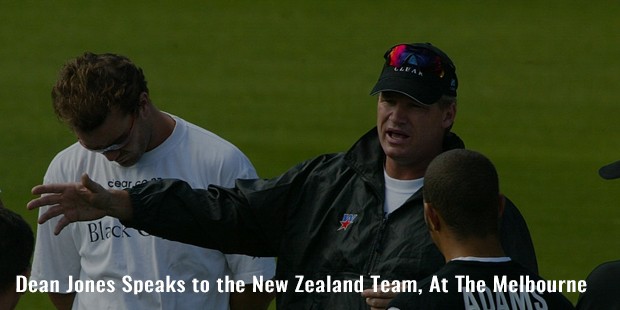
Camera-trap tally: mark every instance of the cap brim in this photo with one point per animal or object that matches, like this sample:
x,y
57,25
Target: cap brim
x,y
409,87
611,171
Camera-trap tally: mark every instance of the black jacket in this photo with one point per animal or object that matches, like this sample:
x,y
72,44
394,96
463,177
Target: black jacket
x,y
321,218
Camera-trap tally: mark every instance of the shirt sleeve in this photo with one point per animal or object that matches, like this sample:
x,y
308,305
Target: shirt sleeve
x,y
245,267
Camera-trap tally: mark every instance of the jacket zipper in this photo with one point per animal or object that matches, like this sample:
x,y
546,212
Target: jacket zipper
x,y
378,245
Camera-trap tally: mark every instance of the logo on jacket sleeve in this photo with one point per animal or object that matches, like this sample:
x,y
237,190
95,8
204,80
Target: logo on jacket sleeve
x,y
347,219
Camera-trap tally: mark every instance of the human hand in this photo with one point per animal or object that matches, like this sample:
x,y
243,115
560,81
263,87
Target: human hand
x,y
85,201
378,299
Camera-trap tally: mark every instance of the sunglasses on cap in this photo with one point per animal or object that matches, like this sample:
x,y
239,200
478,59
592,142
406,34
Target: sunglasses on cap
x,y
423,58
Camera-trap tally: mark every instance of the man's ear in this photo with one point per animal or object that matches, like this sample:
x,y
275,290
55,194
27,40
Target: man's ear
x,y
431,217
144,106
144,98
449,115
501,205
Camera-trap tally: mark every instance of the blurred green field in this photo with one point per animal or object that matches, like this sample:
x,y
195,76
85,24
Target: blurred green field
x,y
286,81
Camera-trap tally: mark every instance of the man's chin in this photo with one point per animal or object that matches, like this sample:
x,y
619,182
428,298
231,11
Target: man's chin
x,y
395,151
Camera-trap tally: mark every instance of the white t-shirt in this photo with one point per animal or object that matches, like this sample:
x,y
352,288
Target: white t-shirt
x,y
398,191
104,250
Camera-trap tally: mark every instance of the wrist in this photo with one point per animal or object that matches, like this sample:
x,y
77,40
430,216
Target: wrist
x,y
120,205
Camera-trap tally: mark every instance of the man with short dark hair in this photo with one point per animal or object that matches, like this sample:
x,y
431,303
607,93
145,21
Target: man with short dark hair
x,y
340,216
462,208
16,245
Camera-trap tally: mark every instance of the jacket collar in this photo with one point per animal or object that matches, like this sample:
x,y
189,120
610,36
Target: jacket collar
x,y
367,157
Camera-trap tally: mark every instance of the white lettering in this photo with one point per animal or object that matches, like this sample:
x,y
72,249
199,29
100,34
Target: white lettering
x,y
22,284
98,232
465,283
228,285
525,284
409,70
202,287
487,300
149,286
270,286
470,301
435,287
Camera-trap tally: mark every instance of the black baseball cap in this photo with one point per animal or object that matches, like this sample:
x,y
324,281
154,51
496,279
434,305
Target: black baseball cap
x,y
611,171
420,71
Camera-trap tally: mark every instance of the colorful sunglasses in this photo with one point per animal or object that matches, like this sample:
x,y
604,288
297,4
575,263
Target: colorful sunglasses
x,y
424,59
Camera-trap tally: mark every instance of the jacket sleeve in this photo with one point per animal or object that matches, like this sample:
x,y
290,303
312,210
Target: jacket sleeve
x,y
516,238
234,221
248,219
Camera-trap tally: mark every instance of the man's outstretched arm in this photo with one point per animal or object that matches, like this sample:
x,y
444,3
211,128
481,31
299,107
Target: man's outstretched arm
x,y
85,201
217,218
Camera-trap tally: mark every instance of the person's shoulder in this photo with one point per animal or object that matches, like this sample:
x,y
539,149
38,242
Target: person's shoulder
x,y
71,151
512,213
195,129
603,274
510,206
72,157
207,144
197,133
554,299
206,150
602,291
323,162
606,267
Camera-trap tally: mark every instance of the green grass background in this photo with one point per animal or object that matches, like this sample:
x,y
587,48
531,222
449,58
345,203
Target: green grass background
x,y
288,80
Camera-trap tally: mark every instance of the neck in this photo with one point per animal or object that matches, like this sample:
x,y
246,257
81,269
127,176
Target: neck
x,y
403,171
163,126
489,246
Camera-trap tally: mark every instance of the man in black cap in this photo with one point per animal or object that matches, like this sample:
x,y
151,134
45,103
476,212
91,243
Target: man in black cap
x,y
352,218
603,284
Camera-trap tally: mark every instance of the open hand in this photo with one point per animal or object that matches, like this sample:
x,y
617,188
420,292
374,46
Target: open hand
x,y
83,201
